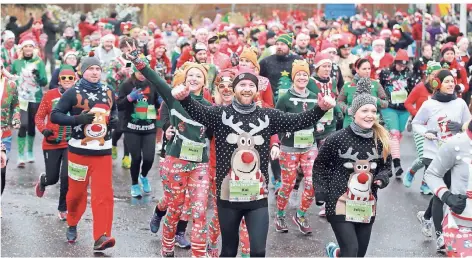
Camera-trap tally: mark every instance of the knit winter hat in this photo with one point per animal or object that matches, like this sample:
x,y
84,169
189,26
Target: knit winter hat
x,y
70,53
363,95
402,56
199,47
66,70
89,61
446,47
432,66
322,58
202,67
245,75
251,55
179,77
299,66
286,38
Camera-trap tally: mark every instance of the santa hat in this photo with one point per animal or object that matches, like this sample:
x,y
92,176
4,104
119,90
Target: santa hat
x,y
152,21
8,34
70,53
453,30
100,108
446,47
327,46
385,32
343,43
159,42
397,34
26,41
300,66
378,41
402,56
322,58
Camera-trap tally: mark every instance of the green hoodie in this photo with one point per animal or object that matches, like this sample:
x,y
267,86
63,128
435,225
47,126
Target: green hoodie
x,y
31,77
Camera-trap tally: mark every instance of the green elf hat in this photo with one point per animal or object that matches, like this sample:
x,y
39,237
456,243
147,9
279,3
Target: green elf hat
x,y
108,26
432,66
286,38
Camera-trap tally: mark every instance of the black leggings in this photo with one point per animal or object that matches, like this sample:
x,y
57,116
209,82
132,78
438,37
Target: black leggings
x,y
118,131
276,170
353,238
4,173
56,164
257,222
142,147
435,207
27,120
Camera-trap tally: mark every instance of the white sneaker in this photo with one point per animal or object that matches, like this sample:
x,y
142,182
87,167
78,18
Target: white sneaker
x,y
322,212
293,201
440,245
426,225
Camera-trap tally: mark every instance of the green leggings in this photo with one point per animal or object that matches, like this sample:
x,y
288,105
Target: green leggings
x,y
395,119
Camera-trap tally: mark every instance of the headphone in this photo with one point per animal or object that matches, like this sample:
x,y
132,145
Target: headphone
x,y
436,83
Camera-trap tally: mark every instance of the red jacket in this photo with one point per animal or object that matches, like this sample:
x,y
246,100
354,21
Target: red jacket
x,y
417,31
85,29
417,96
61,134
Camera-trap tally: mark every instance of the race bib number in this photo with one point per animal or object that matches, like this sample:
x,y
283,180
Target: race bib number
x,y
243,190
303,139
151,112
399,97
77,172
358,211
328,116
23,104
282,92
191,151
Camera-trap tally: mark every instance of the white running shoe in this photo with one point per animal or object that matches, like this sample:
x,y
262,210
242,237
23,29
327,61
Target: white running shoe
x,y
440,245
426,225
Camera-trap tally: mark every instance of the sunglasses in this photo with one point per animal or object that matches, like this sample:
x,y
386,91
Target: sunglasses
x,y
70,78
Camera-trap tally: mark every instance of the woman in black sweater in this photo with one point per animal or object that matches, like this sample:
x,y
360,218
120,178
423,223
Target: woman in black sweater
x,y
351,165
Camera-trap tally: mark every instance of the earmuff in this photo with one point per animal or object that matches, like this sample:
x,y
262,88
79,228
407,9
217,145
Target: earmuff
x,y
435,84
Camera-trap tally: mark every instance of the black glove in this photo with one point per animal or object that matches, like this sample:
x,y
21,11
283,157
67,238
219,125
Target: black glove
x,y
339,116
457,88
35,72
85,118
383,178
454,127
47,133
113,122
456,202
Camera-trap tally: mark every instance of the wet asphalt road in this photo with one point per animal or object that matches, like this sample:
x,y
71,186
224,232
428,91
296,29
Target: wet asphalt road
x,y
30,226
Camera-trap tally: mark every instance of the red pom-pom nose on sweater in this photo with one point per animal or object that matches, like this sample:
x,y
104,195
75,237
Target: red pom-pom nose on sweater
x,y
96,128
362,178
247,157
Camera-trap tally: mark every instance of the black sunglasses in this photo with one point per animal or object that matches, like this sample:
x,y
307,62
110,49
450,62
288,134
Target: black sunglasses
x,y
70,78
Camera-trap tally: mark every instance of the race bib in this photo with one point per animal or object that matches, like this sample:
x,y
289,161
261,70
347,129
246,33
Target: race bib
x,y
23,104
358,211
328,116
282,92
243,190
77,172
151,112
399,97
191,151
303,139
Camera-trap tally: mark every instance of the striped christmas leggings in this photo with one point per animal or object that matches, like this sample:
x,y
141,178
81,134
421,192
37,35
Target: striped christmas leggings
x,y
418,163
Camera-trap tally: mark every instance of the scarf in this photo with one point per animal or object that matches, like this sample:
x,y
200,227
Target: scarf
x,y
295,93
89,85
243,109
364,133
377,57
442,97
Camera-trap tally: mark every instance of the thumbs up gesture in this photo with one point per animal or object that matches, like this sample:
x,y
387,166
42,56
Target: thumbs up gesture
x,y
180,92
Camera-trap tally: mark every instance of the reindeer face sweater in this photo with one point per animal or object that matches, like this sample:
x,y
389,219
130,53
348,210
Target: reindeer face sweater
x,y
242,144
345,169
91,139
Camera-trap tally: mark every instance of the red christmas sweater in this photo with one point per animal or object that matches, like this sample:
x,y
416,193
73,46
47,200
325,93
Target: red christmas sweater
x,y
61,133
417,97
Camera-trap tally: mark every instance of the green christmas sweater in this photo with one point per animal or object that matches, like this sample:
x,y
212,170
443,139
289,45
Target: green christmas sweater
x,y
9,106
66,45
292,102
31,77
190,138
8,56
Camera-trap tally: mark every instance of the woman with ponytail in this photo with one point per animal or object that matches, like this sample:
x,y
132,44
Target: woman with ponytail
x,y
351,166
438,119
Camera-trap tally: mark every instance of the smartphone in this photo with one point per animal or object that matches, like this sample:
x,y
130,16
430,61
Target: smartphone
x,y
128,65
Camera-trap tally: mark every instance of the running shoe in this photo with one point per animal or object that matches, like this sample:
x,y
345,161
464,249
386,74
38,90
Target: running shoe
x,y
30,157
281,224
322,212
40,188
332,249
104,242
409,126
62,215
155,222
71,234
181,241
440,245
426,225
398,172
126,162
213,252
424,189
145,183
293,201
408,178
21,161
136,191
114,152
167,254
302,224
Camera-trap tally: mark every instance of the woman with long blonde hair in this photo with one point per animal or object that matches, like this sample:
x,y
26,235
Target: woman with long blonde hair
x,y
351,166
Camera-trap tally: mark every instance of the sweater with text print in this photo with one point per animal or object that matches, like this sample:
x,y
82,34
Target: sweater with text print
x,y
140,115
242,143
91,139
346,168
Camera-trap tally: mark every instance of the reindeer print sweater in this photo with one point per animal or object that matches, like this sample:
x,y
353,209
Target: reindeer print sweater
x,y
242,145
337,170
92,139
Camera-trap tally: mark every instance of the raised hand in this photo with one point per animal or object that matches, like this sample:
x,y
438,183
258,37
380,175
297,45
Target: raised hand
x,y
136,94
326,103
135,56
180,92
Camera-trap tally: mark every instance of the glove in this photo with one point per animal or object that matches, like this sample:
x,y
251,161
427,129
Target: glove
x,y
339,116
456,202
383,178
113,121
454,127
135,95
85,118
458,88
35,72
47,133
